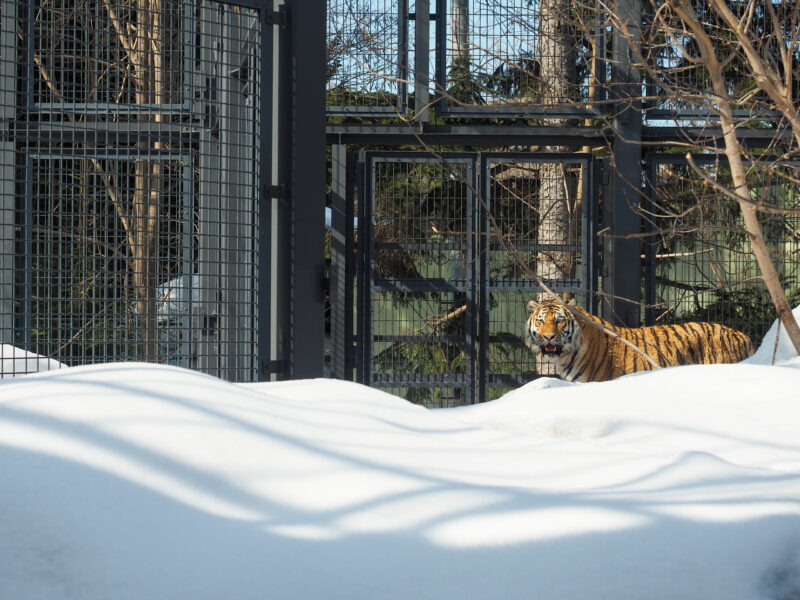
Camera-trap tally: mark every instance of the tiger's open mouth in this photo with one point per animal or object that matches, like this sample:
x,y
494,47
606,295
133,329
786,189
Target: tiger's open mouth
x,y
551,350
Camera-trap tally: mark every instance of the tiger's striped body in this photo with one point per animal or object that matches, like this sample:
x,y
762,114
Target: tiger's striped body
x,y
583,352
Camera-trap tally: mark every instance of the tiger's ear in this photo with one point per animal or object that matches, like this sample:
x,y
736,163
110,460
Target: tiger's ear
x,y
532,306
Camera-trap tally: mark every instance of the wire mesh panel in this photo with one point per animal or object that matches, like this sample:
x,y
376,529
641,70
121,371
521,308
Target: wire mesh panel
x,y
451,260
700,264
539,221
753,33
421,278
516,57
367,56
133,173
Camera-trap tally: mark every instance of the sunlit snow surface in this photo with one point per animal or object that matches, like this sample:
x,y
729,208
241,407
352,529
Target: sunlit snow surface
x,y
145,482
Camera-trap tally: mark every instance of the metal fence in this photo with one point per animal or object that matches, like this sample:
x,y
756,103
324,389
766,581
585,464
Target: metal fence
x,y
680,84
698,259
132,166
470,57
367,56
445,245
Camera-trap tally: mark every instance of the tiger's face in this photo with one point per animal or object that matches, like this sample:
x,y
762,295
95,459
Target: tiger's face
x,y
551,330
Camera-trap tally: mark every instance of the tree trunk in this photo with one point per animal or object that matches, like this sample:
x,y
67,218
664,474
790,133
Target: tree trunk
x,y
733,152
557,200
147,58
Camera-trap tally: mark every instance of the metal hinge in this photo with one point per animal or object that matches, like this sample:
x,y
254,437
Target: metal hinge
x,y
272,367
605,176
278,17
274,192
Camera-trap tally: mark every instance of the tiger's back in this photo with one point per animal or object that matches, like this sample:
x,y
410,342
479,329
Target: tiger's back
x,y
586,353
668,345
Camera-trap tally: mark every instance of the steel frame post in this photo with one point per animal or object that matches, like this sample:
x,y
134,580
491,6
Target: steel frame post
x,y
622,248
307,188
342,263
422,21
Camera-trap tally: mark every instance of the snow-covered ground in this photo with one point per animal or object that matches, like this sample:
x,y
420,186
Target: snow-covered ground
x,y
132,481
16,362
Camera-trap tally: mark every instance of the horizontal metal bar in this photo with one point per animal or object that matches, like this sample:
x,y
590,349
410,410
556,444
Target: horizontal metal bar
x,y
103,154
485,111
103,134
449,246
578,158
504,338
464,135
701,135
417,380
515,135
538,248
420,285
526,285
362,111
420,339
703,159
664,114
394,157
509,380
111,108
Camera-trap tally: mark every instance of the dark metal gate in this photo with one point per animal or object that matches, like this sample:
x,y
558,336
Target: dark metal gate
x,y
444,242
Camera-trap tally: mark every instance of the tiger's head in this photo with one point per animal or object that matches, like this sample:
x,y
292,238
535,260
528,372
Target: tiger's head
x,y
551,330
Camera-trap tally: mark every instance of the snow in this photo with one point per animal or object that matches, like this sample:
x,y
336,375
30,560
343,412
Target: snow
x,y
16,361
132,481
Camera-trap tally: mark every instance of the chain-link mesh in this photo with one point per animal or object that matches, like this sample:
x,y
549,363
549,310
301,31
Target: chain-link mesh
x,y
132,172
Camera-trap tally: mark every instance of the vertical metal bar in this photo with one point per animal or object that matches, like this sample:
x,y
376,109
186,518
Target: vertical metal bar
x,y
307,24
341,277
26,302
587,234
208,199
187,346
649,243
623,250
266,249
8,103
189,57
592,241
30,51
369,247
362,326
441,55
472,320
600,59
230,164
402,56
422,26
282,209
484,207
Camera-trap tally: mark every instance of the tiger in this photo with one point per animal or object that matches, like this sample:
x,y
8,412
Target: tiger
x,y
583,352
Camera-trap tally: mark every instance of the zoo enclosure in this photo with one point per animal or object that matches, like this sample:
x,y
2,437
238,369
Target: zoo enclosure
x,y
472,76
148,180
440,297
